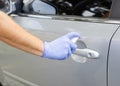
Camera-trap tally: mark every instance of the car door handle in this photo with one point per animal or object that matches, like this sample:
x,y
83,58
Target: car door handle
x,y
83,51
88,53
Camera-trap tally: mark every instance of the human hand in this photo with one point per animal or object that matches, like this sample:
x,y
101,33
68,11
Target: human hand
x,y
60,48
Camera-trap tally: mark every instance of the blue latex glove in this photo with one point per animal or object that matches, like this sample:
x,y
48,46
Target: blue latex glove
x,y
60,48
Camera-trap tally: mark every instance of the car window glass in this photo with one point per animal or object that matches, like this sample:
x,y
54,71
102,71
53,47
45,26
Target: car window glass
x,y
2,4
84,8
5,5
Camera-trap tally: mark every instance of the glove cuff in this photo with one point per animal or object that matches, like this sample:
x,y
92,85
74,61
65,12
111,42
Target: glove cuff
x,y
45,50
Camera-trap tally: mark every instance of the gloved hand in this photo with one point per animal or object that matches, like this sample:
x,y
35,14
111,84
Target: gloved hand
x,y
60,48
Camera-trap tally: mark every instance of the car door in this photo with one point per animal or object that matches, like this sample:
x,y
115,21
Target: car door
x,y
30,70
114,61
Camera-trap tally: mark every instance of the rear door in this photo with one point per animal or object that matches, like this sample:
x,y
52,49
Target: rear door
x,y
30,70
114,61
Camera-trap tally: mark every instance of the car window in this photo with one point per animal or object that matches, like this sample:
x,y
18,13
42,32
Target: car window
x,y
2,4
84,8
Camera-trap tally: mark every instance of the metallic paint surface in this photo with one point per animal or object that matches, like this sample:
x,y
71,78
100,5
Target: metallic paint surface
x,y
44,72
114,61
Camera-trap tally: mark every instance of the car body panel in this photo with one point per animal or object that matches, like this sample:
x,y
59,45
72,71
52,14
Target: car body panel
x,y
44,72
115,13
114,61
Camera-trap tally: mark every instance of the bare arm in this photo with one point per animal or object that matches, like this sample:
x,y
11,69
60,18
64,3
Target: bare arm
x,y
14,35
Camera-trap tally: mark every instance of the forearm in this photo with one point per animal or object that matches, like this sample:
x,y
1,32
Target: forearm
x,y
16,36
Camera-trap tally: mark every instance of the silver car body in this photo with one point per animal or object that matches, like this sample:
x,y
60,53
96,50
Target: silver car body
x,y
23,69
36,71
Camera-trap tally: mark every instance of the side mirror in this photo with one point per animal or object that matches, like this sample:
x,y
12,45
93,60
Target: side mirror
x,y
7,6
39,7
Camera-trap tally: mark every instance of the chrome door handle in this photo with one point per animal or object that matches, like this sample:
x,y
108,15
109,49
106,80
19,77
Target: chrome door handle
x,y
83,51
88,53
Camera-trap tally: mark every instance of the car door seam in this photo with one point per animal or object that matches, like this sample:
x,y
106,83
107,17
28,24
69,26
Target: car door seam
x,y
107,64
